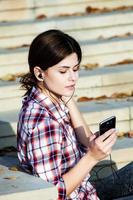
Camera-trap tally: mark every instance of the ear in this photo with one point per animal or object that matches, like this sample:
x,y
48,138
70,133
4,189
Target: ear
x,y
38,73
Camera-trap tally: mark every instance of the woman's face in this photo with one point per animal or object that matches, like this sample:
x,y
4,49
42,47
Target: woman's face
x,y
62,77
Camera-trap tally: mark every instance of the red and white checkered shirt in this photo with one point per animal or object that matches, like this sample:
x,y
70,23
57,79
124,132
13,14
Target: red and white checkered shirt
x,y
47,145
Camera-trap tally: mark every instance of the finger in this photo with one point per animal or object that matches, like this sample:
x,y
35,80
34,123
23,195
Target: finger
x,y
97,134
92,137
106,134
110,138
109,145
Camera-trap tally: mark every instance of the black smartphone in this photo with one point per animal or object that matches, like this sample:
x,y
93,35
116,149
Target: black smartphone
x,y
107,124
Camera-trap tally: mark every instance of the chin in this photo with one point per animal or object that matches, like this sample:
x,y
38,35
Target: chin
x,y
69,94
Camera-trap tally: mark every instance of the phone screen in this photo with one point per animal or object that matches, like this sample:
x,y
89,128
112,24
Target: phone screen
x,y
107,124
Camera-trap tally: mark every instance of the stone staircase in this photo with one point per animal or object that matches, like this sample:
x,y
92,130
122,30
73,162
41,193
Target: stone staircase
x,y
15,184
29,10
106,38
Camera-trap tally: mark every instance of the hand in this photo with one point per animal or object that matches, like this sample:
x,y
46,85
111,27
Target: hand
x,y
100,147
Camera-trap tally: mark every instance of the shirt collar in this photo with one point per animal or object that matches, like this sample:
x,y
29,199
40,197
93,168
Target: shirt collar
x,y
58,110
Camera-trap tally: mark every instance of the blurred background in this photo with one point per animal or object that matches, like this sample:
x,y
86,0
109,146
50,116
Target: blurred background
x,y
104,29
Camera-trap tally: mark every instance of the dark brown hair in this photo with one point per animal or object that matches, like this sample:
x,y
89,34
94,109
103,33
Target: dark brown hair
x,y
46,50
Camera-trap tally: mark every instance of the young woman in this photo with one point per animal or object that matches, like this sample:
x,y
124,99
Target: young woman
x,y
54,141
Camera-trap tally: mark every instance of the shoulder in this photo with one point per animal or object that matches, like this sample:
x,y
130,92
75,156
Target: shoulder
x,y
32,114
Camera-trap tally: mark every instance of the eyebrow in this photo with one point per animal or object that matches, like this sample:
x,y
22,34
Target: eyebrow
x,y
69,66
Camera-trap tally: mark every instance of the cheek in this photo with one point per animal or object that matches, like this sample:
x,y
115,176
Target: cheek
x,y
57,81
76,77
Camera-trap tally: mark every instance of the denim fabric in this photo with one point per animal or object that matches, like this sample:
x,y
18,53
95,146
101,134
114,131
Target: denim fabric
x,y
118,184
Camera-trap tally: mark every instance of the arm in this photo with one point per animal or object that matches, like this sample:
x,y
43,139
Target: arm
x,y
45,155
81,128
99,148
84,166
44,152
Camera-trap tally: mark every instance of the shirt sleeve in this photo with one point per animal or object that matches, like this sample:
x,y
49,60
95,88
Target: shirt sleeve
x,y
83,149
45,153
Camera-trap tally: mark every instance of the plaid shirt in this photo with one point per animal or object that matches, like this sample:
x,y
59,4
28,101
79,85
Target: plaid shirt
x,y
47,144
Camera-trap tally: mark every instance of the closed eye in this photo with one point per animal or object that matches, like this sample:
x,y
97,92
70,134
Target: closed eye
x,y
76,68
62,72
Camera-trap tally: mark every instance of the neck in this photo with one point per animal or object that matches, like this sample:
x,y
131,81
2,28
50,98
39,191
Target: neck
x,y
55,98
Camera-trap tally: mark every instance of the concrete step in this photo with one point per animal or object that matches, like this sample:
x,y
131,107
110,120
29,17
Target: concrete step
x,y
14,56
25,184
105,81
71,23
31,9
96,81
114,48
93,112
7,5
48,11
101,60
12,89
109,58
13,69
79,34
19,185
91,83
8,141
75,7
95,47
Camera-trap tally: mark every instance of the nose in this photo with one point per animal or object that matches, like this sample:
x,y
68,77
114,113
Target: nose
x,y
73,75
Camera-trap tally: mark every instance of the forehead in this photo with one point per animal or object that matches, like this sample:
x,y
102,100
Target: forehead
x,y
69,61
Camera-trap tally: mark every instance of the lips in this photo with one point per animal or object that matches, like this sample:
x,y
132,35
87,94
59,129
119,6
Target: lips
x,y
70,86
